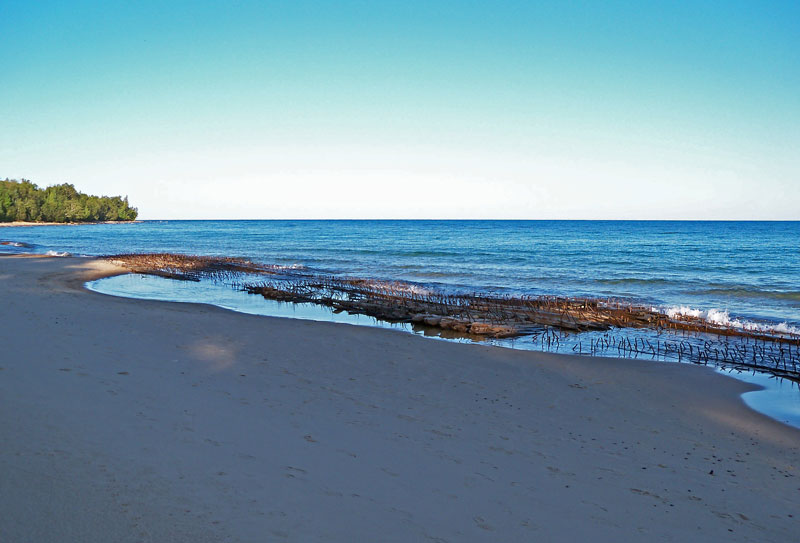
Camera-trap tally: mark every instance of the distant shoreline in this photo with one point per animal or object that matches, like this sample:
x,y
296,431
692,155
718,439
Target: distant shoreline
x,y
26,223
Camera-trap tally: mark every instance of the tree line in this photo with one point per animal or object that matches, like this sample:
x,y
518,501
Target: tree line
x,y
24,201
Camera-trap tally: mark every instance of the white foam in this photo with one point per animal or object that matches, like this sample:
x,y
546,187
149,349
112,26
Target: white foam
x,y
723,318
784,328
391,286
58,253
413,289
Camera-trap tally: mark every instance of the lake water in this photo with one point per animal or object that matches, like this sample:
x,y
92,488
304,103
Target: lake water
x,y
749,269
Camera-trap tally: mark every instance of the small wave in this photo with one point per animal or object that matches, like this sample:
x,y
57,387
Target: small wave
x,y
410,253
425,253
396,286
633,281
723,318
754,293
436,275
282,267
16,244
58,253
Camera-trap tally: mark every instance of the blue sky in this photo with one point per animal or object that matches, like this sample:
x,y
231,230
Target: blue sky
x,y
409,109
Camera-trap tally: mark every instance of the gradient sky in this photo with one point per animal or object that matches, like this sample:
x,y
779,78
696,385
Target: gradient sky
x,y
574,110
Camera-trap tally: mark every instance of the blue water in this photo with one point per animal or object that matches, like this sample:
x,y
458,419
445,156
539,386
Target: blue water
x,y
750,269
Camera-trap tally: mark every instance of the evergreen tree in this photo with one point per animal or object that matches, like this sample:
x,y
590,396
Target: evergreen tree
x,y
24,201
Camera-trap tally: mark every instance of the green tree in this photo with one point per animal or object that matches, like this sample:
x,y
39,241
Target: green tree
x,y
24,201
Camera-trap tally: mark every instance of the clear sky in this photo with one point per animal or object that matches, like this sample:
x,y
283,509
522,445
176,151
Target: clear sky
x,y
583,110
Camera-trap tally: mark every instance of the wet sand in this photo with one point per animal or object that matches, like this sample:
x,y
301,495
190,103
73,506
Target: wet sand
x,y
134,420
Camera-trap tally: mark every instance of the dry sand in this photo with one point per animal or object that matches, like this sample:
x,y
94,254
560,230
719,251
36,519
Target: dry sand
x,y
132,420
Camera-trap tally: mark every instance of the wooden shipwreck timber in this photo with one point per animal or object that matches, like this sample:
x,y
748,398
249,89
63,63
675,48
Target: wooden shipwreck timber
x,y
481,315
185,267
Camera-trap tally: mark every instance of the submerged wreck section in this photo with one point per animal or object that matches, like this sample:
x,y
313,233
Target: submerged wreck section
x,y
187,267
473,314
603,323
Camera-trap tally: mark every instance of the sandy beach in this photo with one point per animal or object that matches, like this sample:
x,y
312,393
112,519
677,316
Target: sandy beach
x,y
132,420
